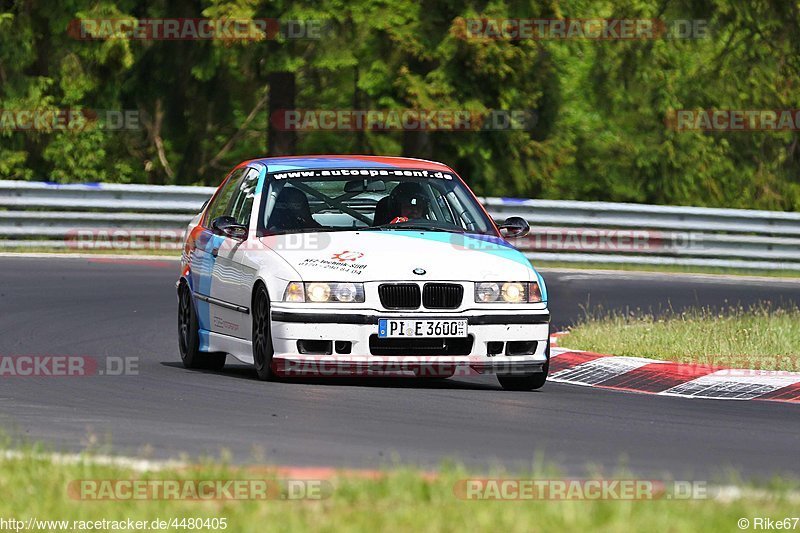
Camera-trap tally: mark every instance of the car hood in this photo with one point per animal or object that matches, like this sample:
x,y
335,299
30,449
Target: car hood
x,y
394,255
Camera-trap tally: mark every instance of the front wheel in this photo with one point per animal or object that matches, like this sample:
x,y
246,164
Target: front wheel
x,y
262,335
529,382
189,336
525,383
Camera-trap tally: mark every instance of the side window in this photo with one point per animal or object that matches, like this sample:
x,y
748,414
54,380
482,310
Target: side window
x,y
220,203
242,202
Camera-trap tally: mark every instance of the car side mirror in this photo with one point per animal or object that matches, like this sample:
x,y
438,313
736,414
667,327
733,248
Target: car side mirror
x,y
515,227
229,227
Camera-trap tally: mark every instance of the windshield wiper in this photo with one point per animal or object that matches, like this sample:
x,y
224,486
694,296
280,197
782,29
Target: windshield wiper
x,y
304,230
413,227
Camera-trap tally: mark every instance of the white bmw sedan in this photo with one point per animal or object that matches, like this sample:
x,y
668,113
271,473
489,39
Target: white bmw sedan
x,y
359,266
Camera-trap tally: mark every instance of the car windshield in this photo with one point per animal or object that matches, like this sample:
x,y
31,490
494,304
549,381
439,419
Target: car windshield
x,y
370,199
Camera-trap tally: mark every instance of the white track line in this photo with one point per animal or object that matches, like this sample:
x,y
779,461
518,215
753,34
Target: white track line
x,y
135,464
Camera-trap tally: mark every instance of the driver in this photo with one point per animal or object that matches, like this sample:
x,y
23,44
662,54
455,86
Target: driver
x,y
408,201
291,211
411,207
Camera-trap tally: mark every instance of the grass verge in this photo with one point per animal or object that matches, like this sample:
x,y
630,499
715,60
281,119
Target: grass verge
x,y
33,487
762,338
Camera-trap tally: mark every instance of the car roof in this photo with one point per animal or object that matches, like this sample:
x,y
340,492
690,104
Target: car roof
x,y
299,162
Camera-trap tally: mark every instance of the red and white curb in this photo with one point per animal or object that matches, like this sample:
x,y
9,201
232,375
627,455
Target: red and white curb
x,y
668,378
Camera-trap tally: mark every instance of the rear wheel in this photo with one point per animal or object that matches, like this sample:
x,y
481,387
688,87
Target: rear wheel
x,y
262,335
189,336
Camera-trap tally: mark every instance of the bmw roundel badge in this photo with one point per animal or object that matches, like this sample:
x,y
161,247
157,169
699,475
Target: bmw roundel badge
x,y
419,271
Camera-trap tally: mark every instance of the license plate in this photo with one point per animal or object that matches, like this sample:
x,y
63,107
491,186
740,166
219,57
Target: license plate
x,y
390,328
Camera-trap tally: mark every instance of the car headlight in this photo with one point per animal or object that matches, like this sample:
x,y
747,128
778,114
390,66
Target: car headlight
x,y
513,292
534,292
295,292
324,292
487,292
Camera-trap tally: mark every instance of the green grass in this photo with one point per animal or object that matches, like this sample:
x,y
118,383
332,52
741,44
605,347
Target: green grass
x,y
761,338
674,269
401,500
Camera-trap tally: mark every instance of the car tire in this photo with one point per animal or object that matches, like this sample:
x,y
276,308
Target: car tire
x,y
189,336
527,382
262,335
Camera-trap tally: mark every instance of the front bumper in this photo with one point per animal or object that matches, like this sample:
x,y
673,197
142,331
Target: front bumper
x,y
290,325
400,366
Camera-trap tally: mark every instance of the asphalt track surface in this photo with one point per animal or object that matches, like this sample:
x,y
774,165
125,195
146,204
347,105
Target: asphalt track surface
x,y
107,308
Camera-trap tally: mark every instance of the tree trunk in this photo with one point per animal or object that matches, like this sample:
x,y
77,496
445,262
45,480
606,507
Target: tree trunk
x,y
417,143
281,98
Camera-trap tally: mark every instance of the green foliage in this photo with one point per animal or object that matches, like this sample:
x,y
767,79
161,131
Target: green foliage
x,y
599,106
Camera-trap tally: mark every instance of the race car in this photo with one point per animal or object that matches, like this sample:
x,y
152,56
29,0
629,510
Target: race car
x,y
359,266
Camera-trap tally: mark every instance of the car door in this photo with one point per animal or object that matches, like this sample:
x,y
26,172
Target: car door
x,y
204,246
232,276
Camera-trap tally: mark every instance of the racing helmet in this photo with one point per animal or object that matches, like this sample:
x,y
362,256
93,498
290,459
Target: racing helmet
x,y
410,197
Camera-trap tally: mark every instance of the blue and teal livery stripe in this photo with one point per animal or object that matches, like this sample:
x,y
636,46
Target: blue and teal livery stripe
x,y
262,178
205,341
482,243
202,272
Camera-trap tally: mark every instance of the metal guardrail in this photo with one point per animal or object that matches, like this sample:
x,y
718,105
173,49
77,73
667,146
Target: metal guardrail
x,y
46,215
606,232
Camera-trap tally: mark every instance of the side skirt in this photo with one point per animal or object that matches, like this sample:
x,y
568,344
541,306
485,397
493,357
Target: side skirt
x,y
216,342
